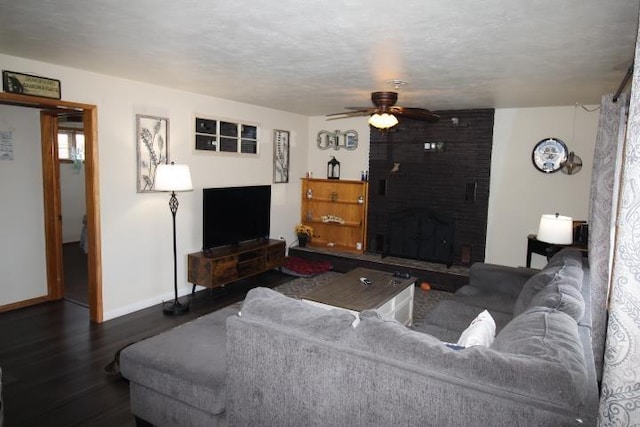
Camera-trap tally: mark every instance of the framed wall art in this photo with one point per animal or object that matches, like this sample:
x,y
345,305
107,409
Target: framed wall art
x,y
280,156
152,135
337,139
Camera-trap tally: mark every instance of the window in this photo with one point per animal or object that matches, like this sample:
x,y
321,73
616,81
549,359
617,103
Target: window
x,y
225,137
70,145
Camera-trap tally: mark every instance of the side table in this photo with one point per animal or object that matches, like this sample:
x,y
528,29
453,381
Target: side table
x,y
535,246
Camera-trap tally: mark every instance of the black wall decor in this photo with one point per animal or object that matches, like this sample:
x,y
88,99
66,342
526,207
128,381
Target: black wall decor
x,y
442,167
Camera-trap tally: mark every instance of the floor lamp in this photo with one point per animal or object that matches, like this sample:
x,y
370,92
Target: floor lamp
x,y
173,178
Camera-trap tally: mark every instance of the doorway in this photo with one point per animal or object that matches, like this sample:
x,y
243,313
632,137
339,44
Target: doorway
x,y
70,152
49,111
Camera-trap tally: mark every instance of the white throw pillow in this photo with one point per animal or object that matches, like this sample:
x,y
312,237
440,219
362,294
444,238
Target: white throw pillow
x,y
481,331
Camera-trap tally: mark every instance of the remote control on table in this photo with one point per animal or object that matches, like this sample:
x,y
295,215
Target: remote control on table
x,y
403,275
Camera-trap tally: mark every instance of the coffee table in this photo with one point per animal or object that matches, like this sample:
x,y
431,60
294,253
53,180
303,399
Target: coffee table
x,y
391,296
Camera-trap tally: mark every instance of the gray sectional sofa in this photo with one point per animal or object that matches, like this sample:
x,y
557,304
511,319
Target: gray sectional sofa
x,y
287,363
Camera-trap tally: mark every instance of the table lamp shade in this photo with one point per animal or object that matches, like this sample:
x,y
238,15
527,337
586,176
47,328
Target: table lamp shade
x,y
173,178
556,229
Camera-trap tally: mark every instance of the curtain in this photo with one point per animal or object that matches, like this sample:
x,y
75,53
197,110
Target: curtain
x,y
601,213
620,389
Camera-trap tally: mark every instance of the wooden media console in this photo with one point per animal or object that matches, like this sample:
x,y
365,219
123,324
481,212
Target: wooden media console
x,y
217,267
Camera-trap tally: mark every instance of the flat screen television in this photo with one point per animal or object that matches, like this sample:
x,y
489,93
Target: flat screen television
x,y
232,215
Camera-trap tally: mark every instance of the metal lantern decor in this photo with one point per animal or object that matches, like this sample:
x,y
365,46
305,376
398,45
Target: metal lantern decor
x,y
333,168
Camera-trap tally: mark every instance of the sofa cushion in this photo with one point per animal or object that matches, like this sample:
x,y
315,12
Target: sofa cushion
x,y
267,305
560,291
560,296
534,285
567,256
443,334
499,278
186,363
456,316
565,266
550,335
486,298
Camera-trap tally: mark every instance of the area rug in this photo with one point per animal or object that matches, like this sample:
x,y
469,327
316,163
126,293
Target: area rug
x,y
423,301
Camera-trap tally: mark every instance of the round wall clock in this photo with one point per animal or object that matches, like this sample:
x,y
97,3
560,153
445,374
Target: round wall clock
x,y
549,155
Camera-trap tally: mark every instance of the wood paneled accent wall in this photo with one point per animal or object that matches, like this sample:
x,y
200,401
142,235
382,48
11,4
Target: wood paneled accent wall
x,y
452,181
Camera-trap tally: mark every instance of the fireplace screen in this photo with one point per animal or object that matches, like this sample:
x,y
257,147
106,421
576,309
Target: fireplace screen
x,y
422,234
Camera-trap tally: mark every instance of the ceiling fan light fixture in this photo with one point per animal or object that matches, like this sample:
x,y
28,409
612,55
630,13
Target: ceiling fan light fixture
x,y
383,121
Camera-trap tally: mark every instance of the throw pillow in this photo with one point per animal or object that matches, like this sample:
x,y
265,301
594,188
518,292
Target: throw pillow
x,y
481,331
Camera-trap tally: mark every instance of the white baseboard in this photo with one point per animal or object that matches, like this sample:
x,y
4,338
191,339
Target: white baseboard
x,y
149,302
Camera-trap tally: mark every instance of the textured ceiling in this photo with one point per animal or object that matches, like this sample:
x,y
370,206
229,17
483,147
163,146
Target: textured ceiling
x,y
315,57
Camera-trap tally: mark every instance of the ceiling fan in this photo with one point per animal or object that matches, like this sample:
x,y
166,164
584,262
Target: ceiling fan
x,y
385,110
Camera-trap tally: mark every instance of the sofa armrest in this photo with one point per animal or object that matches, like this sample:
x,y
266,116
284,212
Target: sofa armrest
x,y
499,278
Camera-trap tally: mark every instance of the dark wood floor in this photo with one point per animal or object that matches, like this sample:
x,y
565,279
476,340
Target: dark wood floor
x,y
76,288
53,358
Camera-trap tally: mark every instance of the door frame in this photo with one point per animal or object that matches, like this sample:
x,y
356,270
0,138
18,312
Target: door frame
x,y
50,109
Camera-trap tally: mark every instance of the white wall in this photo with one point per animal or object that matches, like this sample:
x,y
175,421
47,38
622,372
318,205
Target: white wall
x,y
22,254
352,162
519,193
137,262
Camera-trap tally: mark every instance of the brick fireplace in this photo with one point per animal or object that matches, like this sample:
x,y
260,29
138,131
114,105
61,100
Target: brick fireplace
x,y
430,201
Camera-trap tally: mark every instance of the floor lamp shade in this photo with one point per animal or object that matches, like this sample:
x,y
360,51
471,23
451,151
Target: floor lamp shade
x,y
173,178
556,229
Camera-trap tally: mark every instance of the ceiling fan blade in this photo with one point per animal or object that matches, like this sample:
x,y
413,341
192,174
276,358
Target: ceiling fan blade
x,y
416,113
370,109
345,114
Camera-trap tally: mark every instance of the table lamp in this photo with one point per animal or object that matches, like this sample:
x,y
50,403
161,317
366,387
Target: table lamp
x,y
556,229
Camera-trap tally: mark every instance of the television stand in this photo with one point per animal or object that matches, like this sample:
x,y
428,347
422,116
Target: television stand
x,y
217,267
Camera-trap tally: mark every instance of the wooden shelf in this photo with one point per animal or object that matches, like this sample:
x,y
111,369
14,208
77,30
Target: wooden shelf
x,y
335,247
337,224
343,202
344,199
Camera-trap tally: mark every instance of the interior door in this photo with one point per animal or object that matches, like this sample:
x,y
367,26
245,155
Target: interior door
x,y
52,205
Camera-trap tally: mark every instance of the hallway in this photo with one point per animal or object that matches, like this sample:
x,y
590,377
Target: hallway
x,y
75,274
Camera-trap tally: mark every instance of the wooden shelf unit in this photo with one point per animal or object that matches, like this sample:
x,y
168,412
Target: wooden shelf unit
x,y
344,199
228,264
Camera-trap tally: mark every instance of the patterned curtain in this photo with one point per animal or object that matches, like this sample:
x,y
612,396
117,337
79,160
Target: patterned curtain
x,y
620,391
601,208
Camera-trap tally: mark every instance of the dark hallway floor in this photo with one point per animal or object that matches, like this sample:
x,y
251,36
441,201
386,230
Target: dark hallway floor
x,y
75,274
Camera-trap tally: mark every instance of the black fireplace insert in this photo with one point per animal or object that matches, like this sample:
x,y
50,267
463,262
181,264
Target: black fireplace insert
x,y
421,233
